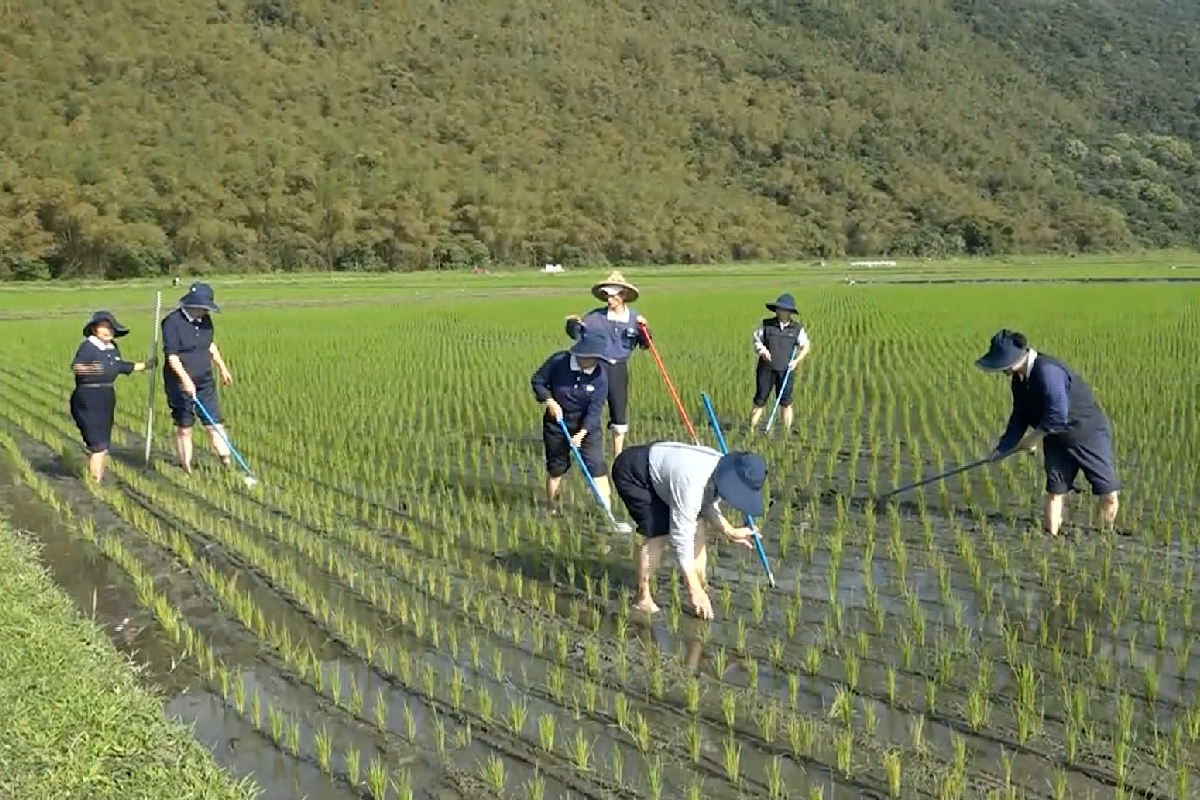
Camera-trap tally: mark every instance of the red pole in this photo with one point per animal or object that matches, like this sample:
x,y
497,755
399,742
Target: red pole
x,y
667,380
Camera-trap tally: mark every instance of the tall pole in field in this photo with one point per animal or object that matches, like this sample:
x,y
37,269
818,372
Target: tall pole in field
x,y
150,377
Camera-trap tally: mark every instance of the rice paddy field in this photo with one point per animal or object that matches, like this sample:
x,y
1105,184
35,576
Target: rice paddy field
x,y
391,614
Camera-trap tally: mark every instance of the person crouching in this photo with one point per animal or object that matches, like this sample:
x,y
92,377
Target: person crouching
x,y
96,365
572,386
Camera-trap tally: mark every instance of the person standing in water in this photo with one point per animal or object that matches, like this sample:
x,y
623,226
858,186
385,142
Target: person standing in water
x,y
781,343
571,386
671,491
1066,420
622,328
190,354
96,365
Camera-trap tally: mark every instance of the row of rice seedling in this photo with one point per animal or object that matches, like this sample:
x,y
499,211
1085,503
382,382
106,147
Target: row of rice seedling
x,y
936,647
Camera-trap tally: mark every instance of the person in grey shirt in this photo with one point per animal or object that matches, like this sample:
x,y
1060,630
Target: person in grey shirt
x,y
671,491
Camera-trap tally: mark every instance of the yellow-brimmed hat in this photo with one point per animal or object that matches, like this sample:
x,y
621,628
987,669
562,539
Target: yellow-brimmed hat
x,y
615,280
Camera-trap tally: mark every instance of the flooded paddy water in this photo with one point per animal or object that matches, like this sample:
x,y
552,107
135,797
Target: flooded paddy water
x,y
394,616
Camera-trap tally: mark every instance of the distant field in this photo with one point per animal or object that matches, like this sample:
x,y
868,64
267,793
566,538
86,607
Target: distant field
x,y
391,611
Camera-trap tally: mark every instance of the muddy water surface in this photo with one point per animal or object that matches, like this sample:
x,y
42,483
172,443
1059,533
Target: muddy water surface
x,y
102,592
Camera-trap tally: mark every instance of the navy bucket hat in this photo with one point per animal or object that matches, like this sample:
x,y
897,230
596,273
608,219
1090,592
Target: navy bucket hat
x,y
106,317
1005,351
739,478
591,344
783,303
199,295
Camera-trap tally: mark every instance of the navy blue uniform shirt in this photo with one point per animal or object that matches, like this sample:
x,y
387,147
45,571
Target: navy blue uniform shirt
x,y
189,338
580,394
98,364
622,332
1052,398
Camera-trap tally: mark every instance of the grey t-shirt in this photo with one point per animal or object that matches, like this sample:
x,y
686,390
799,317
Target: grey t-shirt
x,y
680,474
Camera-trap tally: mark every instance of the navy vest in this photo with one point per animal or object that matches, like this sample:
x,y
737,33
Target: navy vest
x,y
1085,417
780,341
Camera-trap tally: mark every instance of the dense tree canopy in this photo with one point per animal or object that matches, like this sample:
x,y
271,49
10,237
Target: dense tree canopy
x,y
240,135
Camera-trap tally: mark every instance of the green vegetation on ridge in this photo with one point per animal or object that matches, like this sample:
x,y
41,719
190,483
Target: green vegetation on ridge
x,y
284,135
76,724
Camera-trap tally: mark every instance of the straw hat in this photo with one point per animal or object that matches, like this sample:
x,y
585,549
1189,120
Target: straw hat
x,y
615,279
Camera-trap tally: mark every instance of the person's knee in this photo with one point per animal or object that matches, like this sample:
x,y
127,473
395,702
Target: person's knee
x,y
619,429
1056,486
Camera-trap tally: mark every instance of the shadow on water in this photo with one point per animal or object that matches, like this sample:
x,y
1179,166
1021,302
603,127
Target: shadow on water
x,y
575,570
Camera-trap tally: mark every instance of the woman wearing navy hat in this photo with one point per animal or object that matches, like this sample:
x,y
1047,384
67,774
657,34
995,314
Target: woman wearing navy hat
x,y
1066,419
774,341
96,365
572,385
671,491
189,357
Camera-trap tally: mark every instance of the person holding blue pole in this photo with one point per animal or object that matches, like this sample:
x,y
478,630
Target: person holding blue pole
x,y
572,386
671,491
781,343
189,356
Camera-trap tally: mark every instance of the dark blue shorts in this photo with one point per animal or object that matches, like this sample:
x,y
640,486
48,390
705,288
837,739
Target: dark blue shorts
x,y
1092,456
183,410
766,379
631,481
558,449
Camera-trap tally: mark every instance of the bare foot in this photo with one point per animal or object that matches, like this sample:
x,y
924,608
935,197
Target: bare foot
x,y
646,604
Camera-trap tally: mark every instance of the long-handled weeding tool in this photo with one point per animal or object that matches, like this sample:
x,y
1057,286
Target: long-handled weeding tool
x,y
249,478
948,473
150,375
667,380
618,527
716,427
787,376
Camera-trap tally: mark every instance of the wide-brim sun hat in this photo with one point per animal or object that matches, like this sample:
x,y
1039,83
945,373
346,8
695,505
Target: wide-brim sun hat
x,y
739,478
616,280
591,344
1003,353
785,302
199,295
106,317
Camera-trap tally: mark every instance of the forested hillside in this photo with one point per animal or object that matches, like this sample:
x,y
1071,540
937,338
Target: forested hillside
x,y
235,135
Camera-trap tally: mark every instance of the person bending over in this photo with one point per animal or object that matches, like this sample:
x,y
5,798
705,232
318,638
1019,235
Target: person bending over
x,y
671,491
1066,420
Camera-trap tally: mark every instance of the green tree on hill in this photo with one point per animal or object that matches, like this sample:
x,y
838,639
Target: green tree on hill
x,y
140,138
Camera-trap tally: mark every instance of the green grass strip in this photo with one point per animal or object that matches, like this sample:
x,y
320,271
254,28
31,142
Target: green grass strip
x,y
75,722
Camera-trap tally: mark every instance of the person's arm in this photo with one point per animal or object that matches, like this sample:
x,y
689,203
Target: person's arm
x,y
540,382
1053,384
803,345
172,347
573,326
643,337
215,352
1012,432
84,364
756,340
